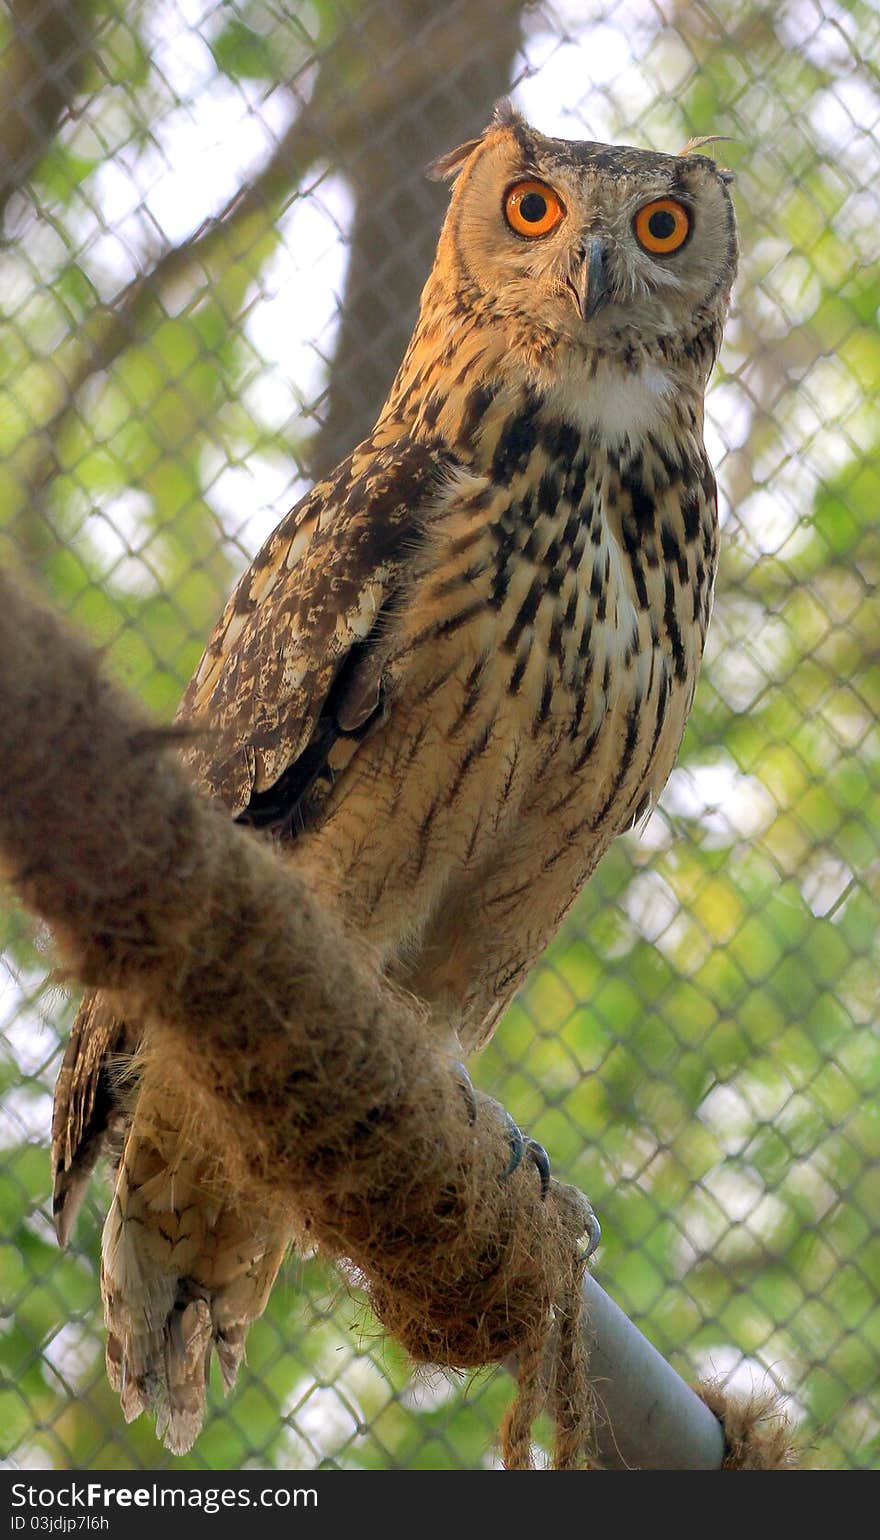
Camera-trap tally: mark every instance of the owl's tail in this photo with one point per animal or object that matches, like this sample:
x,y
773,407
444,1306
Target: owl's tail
x,y
183,1273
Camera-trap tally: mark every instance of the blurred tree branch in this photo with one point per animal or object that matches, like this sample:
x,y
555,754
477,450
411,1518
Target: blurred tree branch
x,y
385,120
397,211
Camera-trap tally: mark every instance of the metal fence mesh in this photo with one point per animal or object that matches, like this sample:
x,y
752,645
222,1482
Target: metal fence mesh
x,y
215,228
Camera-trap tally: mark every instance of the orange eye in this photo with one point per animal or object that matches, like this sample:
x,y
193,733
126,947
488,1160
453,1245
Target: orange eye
x,y
532,208
662,226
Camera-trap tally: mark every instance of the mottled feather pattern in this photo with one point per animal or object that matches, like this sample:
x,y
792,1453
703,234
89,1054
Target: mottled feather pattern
x,y
546,670
456,671
314,590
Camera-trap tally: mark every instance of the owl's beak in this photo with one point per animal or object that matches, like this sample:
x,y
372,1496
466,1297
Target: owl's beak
x,y
596,290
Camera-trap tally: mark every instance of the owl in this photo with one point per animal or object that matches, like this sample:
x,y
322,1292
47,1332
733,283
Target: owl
x,y
458,669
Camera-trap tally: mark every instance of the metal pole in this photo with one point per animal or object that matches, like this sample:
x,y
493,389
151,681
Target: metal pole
x,y
648,1418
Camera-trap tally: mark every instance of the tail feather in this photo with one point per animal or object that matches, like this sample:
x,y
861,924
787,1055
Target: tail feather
x,y
183,1274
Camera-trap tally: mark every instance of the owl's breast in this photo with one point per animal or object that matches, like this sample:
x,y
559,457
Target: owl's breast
x,y
578,560
538,673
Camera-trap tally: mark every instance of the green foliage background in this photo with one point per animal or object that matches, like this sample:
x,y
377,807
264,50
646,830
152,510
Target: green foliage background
x,y
698,1049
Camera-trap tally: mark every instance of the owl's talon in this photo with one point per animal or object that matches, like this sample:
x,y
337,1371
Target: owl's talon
x,y
520,1146
466,1085
594,1235
541,1160
517,1144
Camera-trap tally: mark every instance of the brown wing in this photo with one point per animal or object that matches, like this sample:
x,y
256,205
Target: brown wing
x,y
290,658
287,671
86,1108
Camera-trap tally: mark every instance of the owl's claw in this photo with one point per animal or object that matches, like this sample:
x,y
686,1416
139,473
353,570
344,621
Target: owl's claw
x,y
593,1232
520,1146
517,1142
466,1086
541,1160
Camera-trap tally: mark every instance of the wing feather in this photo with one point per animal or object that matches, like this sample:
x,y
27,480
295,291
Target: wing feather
x,y
311,596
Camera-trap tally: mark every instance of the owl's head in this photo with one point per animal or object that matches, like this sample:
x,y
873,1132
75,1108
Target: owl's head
x,y
603,245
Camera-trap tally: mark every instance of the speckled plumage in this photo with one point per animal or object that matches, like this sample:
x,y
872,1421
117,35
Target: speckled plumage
x,y
458,669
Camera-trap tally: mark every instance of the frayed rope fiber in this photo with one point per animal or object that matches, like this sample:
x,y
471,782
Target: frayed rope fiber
x,y
311,1082
757,1433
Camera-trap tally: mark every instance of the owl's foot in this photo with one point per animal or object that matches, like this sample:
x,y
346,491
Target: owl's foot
x,y
523,1148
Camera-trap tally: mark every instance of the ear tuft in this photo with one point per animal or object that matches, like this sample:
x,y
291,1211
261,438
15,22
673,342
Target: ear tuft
x,y
505,114
447,166
701,139
724,173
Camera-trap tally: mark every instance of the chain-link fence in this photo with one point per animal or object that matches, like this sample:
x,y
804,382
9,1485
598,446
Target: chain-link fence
x,y
215,229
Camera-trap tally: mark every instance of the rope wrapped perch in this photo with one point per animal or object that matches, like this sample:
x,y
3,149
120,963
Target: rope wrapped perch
x,y
306,1081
